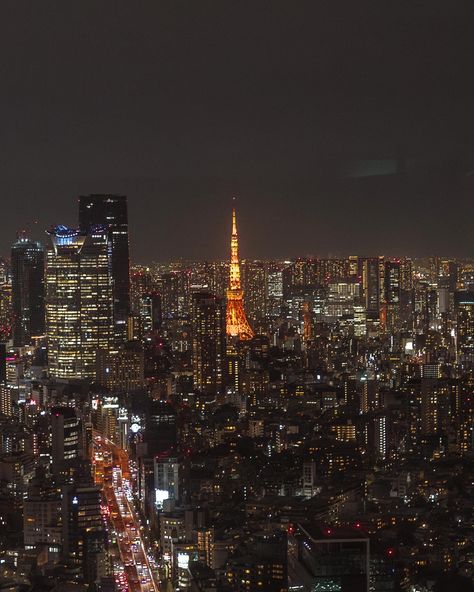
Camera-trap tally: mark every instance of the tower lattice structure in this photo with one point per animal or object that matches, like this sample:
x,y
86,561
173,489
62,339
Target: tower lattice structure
x,y
237,324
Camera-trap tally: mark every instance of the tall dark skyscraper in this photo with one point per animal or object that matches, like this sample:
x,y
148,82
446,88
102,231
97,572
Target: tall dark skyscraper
x,y
83,531
371,283
208,322
65,438
111,210
27,260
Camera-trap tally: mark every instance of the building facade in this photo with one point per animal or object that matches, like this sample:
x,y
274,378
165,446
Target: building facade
x,y
111,211
79,308
27,260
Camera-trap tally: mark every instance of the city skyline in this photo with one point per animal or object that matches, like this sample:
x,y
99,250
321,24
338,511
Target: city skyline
x,y
332,395
236,296
143,249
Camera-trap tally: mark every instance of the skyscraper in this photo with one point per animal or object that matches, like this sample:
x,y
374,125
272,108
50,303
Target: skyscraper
x,y
392,280
236,321
435,406
111,211
175,292
161,430
167,479
83,530
254,280
42,515
65,438
464,302
78,301
208,342
371,282
121,370
27,258
392,294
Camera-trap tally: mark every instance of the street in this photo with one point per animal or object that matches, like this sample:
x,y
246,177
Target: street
x,y
135,571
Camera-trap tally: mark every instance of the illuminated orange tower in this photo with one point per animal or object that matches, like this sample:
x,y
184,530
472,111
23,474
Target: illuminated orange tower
x,y
236,321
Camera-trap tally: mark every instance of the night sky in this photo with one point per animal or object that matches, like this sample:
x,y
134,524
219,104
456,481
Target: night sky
x,y
342,127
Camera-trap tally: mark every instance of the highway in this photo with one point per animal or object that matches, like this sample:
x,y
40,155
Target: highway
x,y
137,570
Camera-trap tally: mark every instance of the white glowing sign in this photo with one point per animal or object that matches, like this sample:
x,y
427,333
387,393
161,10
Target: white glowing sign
x,y
183,560
160,496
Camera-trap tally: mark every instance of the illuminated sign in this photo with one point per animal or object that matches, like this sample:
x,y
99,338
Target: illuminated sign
x,y
160,496
183,560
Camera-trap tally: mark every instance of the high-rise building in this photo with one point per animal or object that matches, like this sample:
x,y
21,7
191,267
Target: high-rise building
x,y
150,313
141,282
3,363
274,291
167,480
371,284
406,274
172,531
236,321
392,279
42,516
377,436
27,261
254,281
435,406
6,408
342,297
161,430
175,292
111,211
425,306
78,301
354,266
121,370
208,325
107,418
370,400
66,438
309,478
6,312
83,530
465,326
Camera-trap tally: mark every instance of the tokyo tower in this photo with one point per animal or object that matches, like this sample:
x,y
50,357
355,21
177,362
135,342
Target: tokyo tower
x,y
236,321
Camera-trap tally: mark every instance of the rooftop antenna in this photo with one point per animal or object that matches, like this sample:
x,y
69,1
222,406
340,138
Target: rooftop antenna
x,y
25,232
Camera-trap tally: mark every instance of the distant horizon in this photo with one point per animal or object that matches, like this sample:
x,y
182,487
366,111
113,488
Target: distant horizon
x,y
279,259
273,223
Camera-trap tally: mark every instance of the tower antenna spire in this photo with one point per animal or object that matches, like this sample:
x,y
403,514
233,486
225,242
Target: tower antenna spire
x,y
237,324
